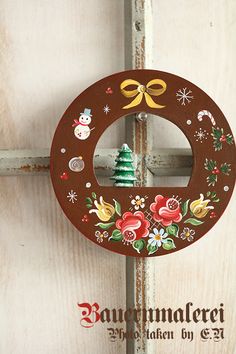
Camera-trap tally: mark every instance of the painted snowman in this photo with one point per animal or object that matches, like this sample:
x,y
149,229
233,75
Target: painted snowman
x,y
82,130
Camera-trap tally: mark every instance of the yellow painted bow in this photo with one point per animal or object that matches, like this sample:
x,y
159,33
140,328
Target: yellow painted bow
x,y
141,90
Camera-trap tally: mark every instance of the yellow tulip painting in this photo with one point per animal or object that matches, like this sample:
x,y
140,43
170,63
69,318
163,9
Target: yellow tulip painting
x,y
104,210
200,207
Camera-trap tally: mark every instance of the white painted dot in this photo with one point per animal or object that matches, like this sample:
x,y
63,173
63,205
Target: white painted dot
x,y
88,185
189,122
63,150
226,188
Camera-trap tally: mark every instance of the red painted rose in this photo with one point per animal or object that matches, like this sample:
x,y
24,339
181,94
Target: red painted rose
x,y
133,226
166,210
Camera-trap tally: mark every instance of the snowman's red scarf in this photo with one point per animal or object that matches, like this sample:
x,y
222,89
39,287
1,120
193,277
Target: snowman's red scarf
x,y
78,123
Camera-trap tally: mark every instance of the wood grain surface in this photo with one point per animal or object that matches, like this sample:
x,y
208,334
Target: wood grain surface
x,y
49,52
196,40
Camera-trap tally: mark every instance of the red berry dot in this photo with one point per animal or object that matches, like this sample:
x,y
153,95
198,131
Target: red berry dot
x,y
109,91
223,138
64,176
216,171
212,215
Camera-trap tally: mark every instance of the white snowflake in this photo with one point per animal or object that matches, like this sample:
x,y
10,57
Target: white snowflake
x,y
201,135
106,109
72,196
184,96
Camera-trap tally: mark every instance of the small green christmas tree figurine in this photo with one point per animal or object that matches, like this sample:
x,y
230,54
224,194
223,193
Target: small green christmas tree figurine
x,y
124,172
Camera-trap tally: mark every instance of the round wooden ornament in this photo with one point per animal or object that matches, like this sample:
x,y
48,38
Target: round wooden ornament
x,y
143,221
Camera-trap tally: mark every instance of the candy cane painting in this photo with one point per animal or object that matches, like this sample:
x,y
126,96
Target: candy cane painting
x,y
203,113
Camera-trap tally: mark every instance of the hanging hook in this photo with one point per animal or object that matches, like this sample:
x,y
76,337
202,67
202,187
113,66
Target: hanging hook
x,y
141,116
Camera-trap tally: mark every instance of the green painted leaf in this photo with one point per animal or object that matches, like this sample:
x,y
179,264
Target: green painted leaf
x,y
225,168
216,200
184,207
213,194
89,206
116,236
229,139
193,221
117,207
208,194
209,164
105,226
173,230
94,195
169,245
151,249
89,201
211,180
217,145
217,133
139,245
